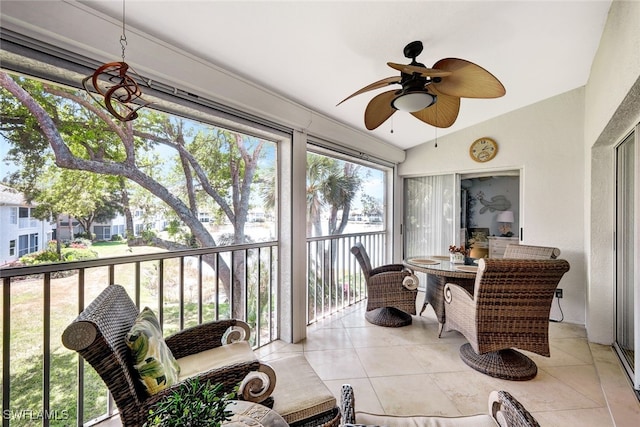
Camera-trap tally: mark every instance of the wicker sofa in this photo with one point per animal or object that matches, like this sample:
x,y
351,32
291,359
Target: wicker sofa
x,y
509,308
98,335
504,411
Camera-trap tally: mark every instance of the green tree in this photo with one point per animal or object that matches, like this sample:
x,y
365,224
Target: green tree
x,y
84,196
370,205
332,185
39,119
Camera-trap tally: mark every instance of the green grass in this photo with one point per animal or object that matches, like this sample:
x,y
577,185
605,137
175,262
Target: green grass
x,y
27,321
27,341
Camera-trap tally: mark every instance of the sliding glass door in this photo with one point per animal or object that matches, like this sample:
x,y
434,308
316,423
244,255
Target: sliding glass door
x,y
429,215
627,242
444,210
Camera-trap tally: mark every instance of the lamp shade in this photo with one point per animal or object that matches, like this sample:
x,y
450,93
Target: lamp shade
x,y
413,101
505,216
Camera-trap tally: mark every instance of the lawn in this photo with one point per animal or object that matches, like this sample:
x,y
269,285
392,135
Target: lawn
x,y
27,340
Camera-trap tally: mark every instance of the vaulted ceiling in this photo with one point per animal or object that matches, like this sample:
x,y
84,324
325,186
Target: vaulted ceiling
x,y
318,52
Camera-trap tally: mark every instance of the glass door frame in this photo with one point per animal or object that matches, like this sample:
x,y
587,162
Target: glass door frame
x,y
633,372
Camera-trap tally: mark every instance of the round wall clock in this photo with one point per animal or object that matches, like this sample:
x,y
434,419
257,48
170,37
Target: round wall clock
x,y
483,149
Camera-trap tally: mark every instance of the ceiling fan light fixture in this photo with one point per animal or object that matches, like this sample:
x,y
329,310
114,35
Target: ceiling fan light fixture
x,y
413,101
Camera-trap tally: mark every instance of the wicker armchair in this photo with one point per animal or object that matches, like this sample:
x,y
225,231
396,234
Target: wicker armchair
x,y
504,411
530,252
98,335
391,291
509,308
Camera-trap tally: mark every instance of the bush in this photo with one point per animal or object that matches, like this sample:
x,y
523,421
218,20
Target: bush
x,y
43,257
78,254
79,243
85,235
116,238
148,235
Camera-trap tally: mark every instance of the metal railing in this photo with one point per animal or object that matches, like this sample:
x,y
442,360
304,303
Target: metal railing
x,y
334,277
45,383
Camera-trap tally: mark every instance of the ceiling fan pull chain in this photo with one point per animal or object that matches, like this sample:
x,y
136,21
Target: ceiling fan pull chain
x,y
436,127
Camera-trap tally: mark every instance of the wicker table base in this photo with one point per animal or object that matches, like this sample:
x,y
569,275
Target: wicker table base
x,y
504,364
388,316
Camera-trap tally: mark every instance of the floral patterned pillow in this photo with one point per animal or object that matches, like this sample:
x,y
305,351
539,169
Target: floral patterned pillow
x,y
152,357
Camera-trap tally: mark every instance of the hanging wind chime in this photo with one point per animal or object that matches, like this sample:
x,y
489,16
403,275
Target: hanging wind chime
x,y
115,83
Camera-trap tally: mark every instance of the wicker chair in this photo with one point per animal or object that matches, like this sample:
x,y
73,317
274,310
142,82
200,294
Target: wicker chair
x,y
504,411
509,308
98,334
391,291
530,252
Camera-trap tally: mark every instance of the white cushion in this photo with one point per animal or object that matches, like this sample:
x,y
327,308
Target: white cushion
x,y
229,354
299,394
422,421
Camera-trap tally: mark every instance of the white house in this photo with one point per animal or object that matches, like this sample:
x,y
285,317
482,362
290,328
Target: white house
x,y
20,232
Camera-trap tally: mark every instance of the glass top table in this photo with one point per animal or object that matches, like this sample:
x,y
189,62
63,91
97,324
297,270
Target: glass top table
x,y
440,271
440,265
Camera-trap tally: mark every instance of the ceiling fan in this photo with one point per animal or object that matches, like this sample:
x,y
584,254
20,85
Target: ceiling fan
x,y
429,94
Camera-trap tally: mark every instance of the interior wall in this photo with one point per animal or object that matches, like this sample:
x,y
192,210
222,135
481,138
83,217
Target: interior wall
x,y
612,107
545,142
486,197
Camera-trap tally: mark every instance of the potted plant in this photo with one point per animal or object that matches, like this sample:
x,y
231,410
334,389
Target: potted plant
x,y
458,254
192,404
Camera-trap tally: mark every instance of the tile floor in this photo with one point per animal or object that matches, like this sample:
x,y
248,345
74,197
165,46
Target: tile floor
x,y
410,370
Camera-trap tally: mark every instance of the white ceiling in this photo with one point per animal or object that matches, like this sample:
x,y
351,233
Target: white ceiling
x,y
318,52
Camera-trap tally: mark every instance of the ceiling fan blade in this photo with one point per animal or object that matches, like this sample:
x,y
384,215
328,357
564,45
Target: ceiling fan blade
x,y
443,113
427,72
467,80
375,85
379,109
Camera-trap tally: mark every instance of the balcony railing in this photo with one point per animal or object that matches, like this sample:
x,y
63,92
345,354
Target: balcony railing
x,y
334,277
43,383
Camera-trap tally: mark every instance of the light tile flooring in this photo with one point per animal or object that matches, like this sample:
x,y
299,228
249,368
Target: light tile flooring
x,y
410,370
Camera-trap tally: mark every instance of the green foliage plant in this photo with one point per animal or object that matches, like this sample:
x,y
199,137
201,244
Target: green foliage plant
x,y
43,257
78,254
80,242
192,404
148,236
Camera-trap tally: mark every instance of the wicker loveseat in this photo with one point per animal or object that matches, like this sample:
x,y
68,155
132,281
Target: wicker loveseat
x,y
98,335
504,411
509,308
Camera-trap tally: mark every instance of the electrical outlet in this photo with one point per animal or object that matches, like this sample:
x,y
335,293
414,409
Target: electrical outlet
x,y
558,293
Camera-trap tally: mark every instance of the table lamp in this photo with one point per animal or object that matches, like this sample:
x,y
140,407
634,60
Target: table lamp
x,y
505,219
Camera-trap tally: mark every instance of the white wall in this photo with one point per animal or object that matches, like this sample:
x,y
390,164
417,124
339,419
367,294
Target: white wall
x,y
565,146
612,107
544,141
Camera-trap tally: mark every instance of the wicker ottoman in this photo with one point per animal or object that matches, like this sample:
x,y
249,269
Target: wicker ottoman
x,y
300,396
